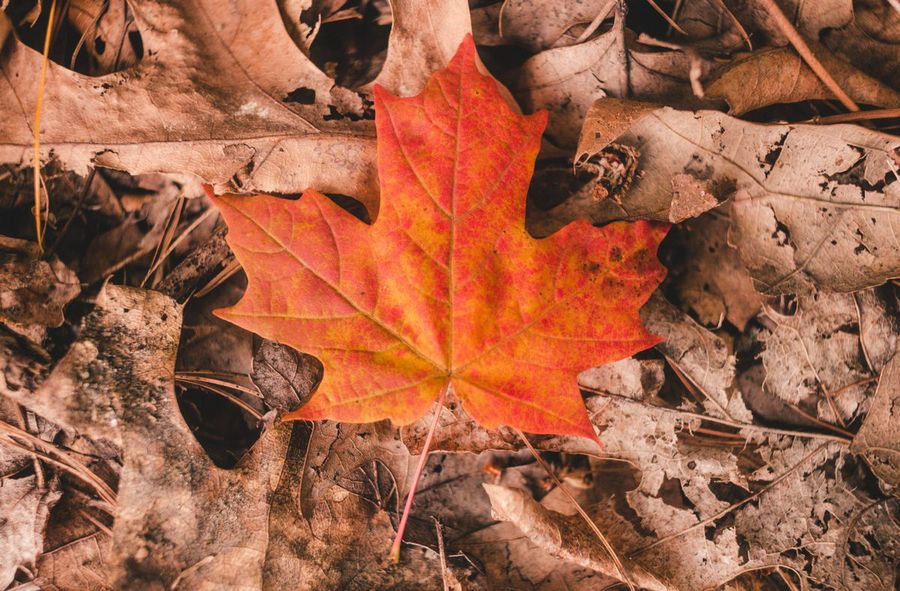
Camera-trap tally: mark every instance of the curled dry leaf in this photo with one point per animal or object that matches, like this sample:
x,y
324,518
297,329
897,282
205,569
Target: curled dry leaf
x,y
779,75
567,80
877,439
33,291
212,97
812,206
562,536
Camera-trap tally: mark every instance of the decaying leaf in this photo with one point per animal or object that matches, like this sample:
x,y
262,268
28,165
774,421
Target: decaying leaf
x,y
563,537
814,359
711,280
537,26
176,510
800,506
33,291
879,325
811,207
470,299
25,506
700,355
877,439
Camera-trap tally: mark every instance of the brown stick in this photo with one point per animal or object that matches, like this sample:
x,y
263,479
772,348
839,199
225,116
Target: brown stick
x,y
806,53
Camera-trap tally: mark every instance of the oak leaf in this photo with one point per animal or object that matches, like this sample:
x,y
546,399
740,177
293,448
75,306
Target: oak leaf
x,y
446,287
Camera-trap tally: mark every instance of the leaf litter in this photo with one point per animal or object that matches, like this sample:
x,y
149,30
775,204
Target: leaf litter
x,y
754,447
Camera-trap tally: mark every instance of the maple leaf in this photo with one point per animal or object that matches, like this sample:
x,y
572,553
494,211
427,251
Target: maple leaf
x,y
446,287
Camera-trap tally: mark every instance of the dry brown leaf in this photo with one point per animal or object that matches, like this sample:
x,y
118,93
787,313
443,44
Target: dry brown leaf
x,y
176,510
564,537
537,25
340,538
33,292
566,81
774,76
812,206
211,98
879,325
710,280
813,357
701,356
25,507
877,440
862,32
806,508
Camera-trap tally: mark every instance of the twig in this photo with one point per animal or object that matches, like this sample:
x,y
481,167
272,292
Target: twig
x,y
666,17
734,21
99,524
439,532
598,20
78,471
189,570
233,398
806,53
38,208
423,459
78,204
621,49
211,378
590,522
200,219
683,415
166,239
38,470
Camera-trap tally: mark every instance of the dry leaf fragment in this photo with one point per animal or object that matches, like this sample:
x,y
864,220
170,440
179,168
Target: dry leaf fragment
x,y
33,292
877,440
690,197
25,508
700,355
879,325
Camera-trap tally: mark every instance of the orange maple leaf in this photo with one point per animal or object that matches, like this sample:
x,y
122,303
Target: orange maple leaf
x,y
446,287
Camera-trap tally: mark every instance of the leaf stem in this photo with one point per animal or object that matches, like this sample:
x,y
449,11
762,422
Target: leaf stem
x,y
423,459
45,56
